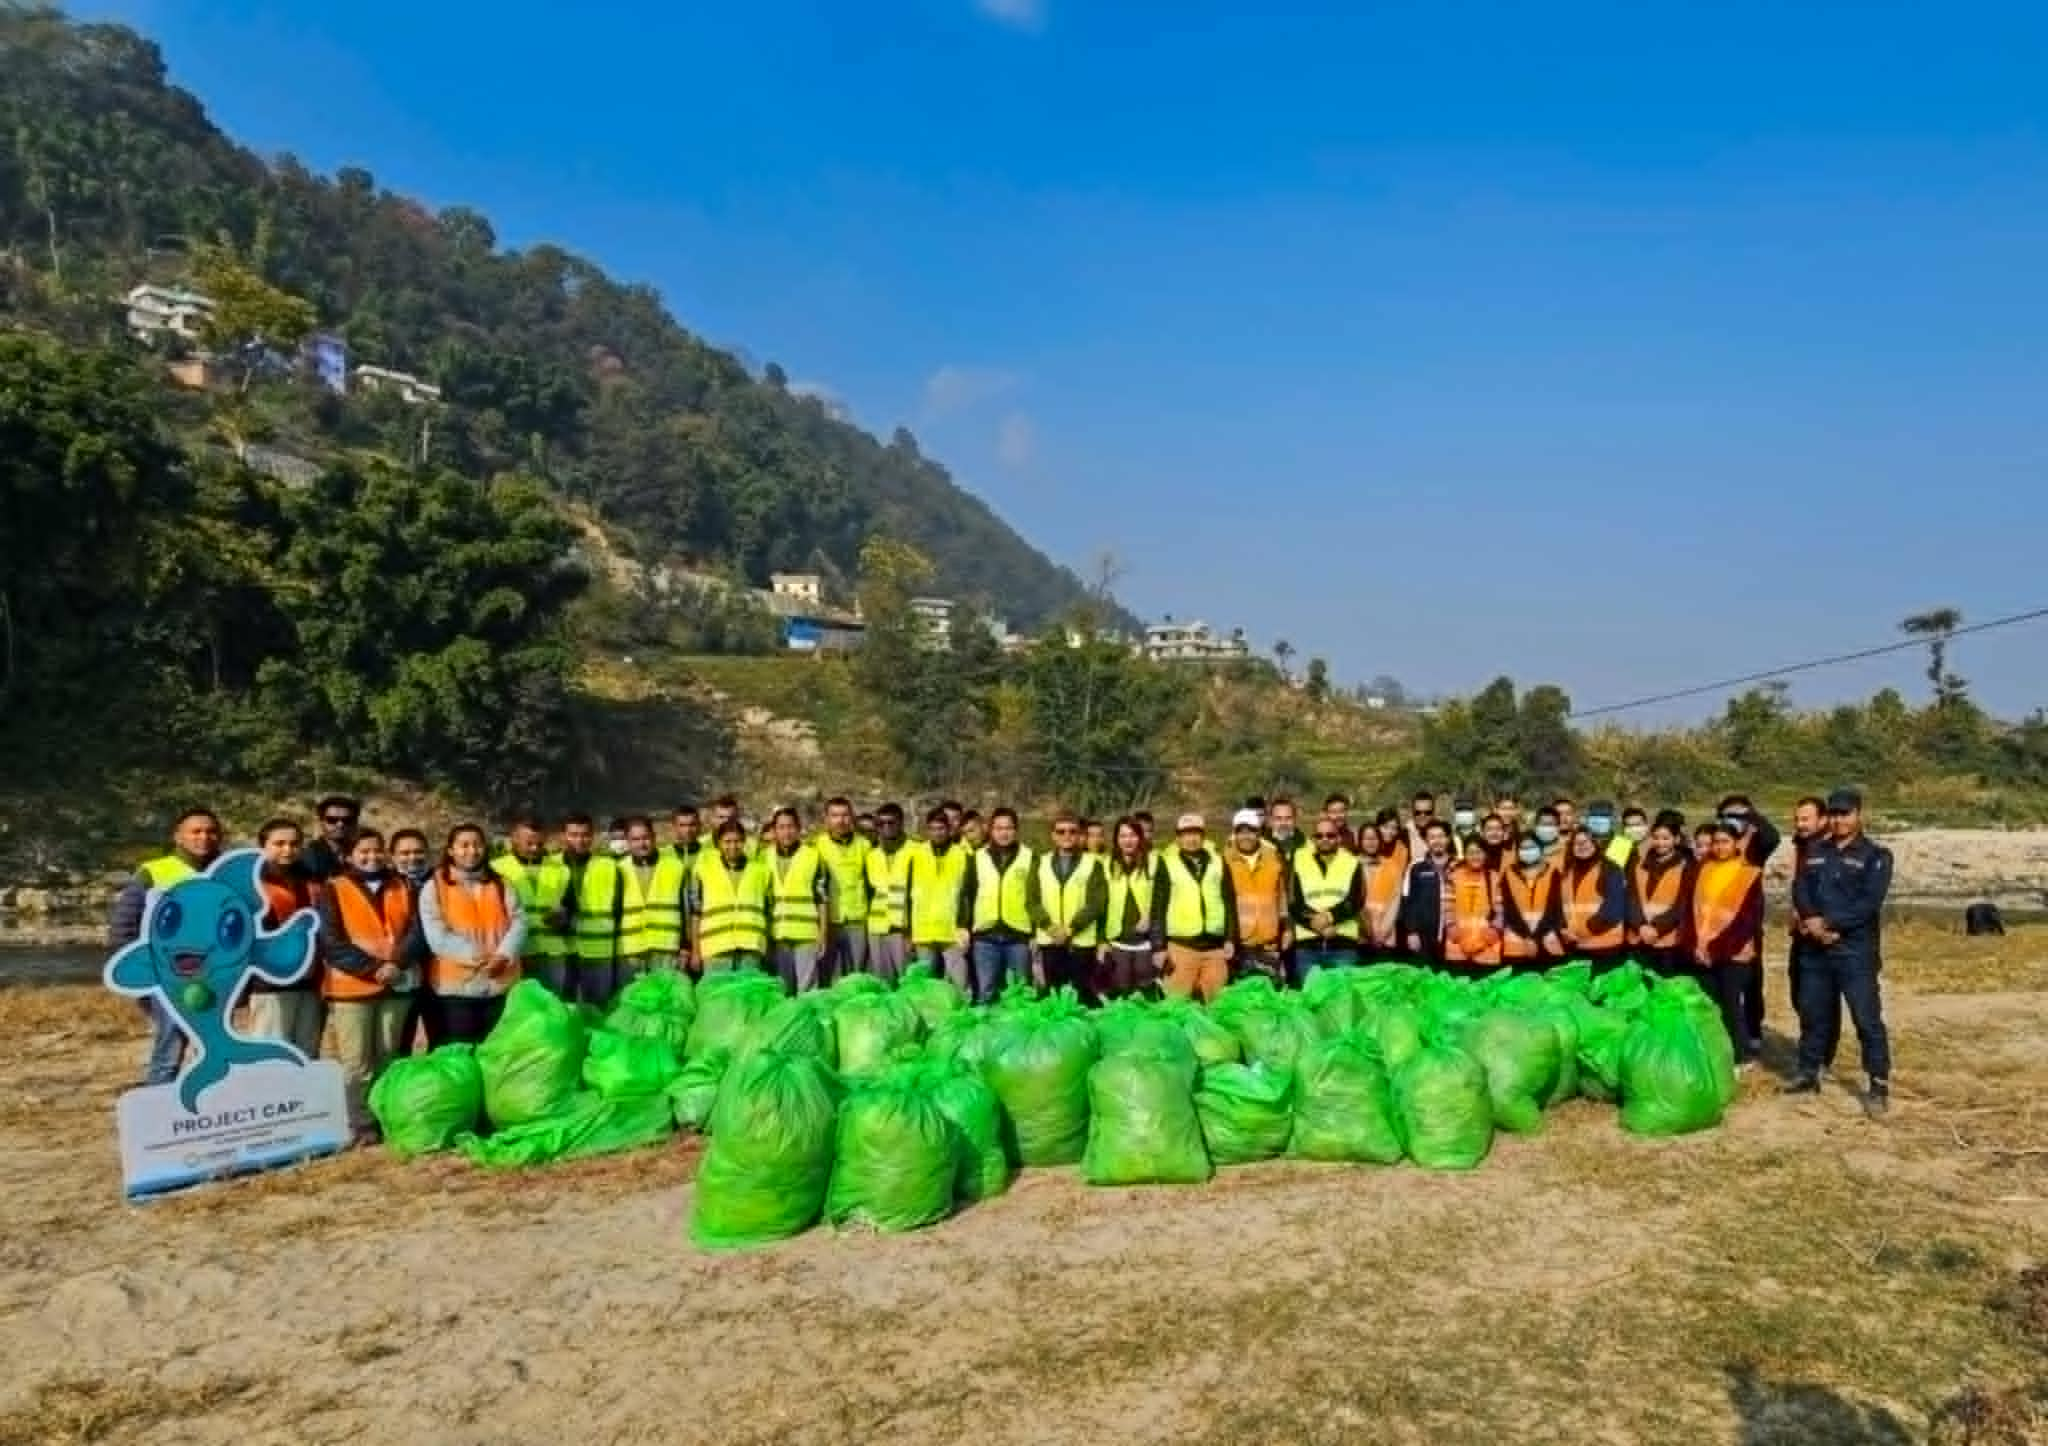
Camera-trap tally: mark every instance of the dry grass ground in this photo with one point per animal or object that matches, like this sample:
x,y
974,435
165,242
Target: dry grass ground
x,y
1799,1276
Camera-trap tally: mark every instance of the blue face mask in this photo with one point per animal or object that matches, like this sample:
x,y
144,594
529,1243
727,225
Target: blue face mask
x,y
1600,826
1546,833
1530,854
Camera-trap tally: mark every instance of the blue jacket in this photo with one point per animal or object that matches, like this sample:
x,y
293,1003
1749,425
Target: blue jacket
x,y
1846,886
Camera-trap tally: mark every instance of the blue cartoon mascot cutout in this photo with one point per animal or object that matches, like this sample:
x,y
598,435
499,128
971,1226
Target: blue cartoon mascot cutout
x,y
202,944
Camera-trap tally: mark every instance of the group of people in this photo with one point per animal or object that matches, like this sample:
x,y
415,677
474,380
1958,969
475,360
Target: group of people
x,y
417,943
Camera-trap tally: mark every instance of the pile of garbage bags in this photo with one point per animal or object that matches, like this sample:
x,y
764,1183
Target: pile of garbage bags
x,y
892,1108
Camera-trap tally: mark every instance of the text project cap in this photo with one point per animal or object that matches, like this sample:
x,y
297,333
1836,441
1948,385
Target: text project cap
x,y
1845,800
1190,821
1243,818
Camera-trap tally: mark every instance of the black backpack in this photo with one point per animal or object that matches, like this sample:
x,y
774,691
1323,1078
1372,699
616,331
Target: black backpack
x,y
1983,919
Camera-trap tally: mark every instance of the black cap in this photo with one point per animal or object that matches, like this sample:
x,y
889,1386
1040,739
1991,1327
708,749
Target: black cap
x,y
1601,805
1845,800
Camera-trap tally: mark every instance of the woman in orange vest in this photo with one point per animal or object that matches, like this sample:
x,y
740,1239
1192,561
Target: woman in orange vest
x,y
295,1012
1472,933
1530,918
1727,928
1258,874
475,930
1592,902
1660,899
370,940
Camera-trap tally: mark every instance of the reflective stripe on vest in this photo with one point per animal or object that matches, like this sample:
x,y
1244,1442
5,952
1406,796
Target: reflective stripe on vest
x,y
1260,883
1002,896
735,908
636,881
1472,933
848,864
888,889
375,926
935,894
541,886
1324,889
1062,903
481,916
1130,898
795,876
1194,907
1719,891
1659,895
597,929
662,908
1582,901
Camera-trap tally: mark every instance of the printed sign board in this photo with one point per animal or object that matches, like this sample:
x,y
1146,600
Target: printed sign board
x,y
240,1103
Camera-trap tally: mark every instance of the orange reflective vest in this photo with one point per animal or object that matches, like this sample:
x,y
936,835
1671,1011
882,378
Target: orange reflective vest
x,y
1660,895
374,925
1260,882
479,915
1472,930
1526,910
1721,893
1582,900
1385,877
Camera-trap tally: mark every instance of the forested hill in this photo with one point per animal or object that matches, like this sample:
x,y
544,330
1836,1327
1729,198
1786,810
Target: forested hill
x,y
108,174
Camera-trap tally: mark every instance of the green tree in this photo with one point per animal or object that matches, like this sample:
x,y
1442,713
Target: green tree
x,y
1937,626
1317,684
250,317
1100,719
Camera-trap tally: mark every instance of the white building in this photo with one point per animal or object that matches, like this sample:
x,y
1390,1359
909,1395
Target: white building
x,y
1193,642
801,587
156,310
410,389
936,613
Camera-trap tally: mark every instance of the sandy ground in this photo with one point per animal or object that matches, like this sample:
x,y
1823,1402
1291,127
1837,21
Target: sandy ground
x,y
1799,1276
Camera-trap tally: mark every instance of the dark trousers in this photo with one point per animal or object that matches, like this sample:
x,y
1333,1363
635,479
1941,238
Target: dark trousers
x,y
1070,965
1314,953
1268,963
1125,972
1831,1026
1728,986
1604,961
1672,964
454,1020
1828,980
1753,997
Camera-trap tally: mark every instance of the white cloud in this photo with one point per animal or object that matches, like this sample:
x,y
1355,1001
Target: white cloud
x,y
1016,441
1017,14
955,388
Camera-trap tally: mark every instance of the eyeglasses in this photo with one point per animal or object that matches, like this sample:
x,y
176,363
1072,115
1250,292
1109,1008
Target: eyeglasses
x,y
1325,837
338,820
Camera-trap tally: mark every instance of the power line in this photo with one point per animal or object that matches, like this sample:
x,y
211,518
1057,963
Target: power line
x,y
1770,674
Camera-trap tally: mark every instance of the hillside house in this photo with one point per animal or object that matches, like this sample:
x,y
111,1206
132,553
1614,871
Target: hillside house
x,y
155,311
936,613
409,388
1193,642
806,588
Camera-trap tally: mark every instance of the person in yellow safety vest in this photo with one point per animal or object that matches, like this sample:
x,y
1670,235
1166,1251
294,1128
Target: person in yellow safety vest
x,y
846,861
1095,837
799,903
540,881
1069,899
888,871
641,929
1614,846
668,908
195,844
1635,832
1200,912
939,868
1133,944
728,905
597,908
995,908
727,807
1326,901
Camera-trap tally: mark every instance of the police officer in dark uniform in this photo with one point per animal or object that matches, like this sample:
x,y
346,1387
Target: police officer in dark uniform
x,y
1839,896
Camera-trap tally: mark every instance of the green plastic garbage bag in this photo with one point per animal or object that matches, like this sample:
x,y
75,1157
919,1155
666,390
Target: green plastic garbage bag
x,y
1672,1075
422,1102
1246,1110
1563,1020
657,1005
1036,1059
896,1156
1274,1028
1343,1104
799,1025
1602,1033
847,986
620,1067
1142,1125
589,1124
1519,1053
1331,995
729,1004
870,1028
1575,977
1397,1030
1442,1109
1211,1039
1624,989
694,1090
1132,1026
983,1169
532,1062
958,1039
935,999
766,1171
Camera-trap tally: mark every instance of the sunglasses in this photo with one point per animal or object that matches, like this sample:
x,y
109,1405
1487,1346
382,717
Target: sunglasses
x,y
337,819
1325,836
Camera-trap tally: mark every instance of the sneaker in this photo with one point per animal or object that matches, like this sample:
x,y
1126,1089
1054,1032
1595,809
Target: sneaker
x,y
1877,1100
1802,1084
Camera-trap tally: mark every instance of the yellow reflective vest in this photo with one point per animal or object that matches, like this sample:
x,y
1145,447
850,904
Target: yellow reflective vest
x,y
734,904
935,882
889,889
540,888
599,931
793,886
848,864
1194,907
1002,896
1324,889
1062,903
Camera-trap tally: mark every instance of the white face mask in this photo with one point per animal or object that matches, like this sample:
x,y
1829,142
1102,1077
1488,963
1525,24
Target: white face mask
x,y
618,847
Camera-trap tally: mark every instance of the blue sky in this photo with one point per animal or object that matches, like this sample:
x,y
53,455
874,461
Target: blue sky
x,y
1623,345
